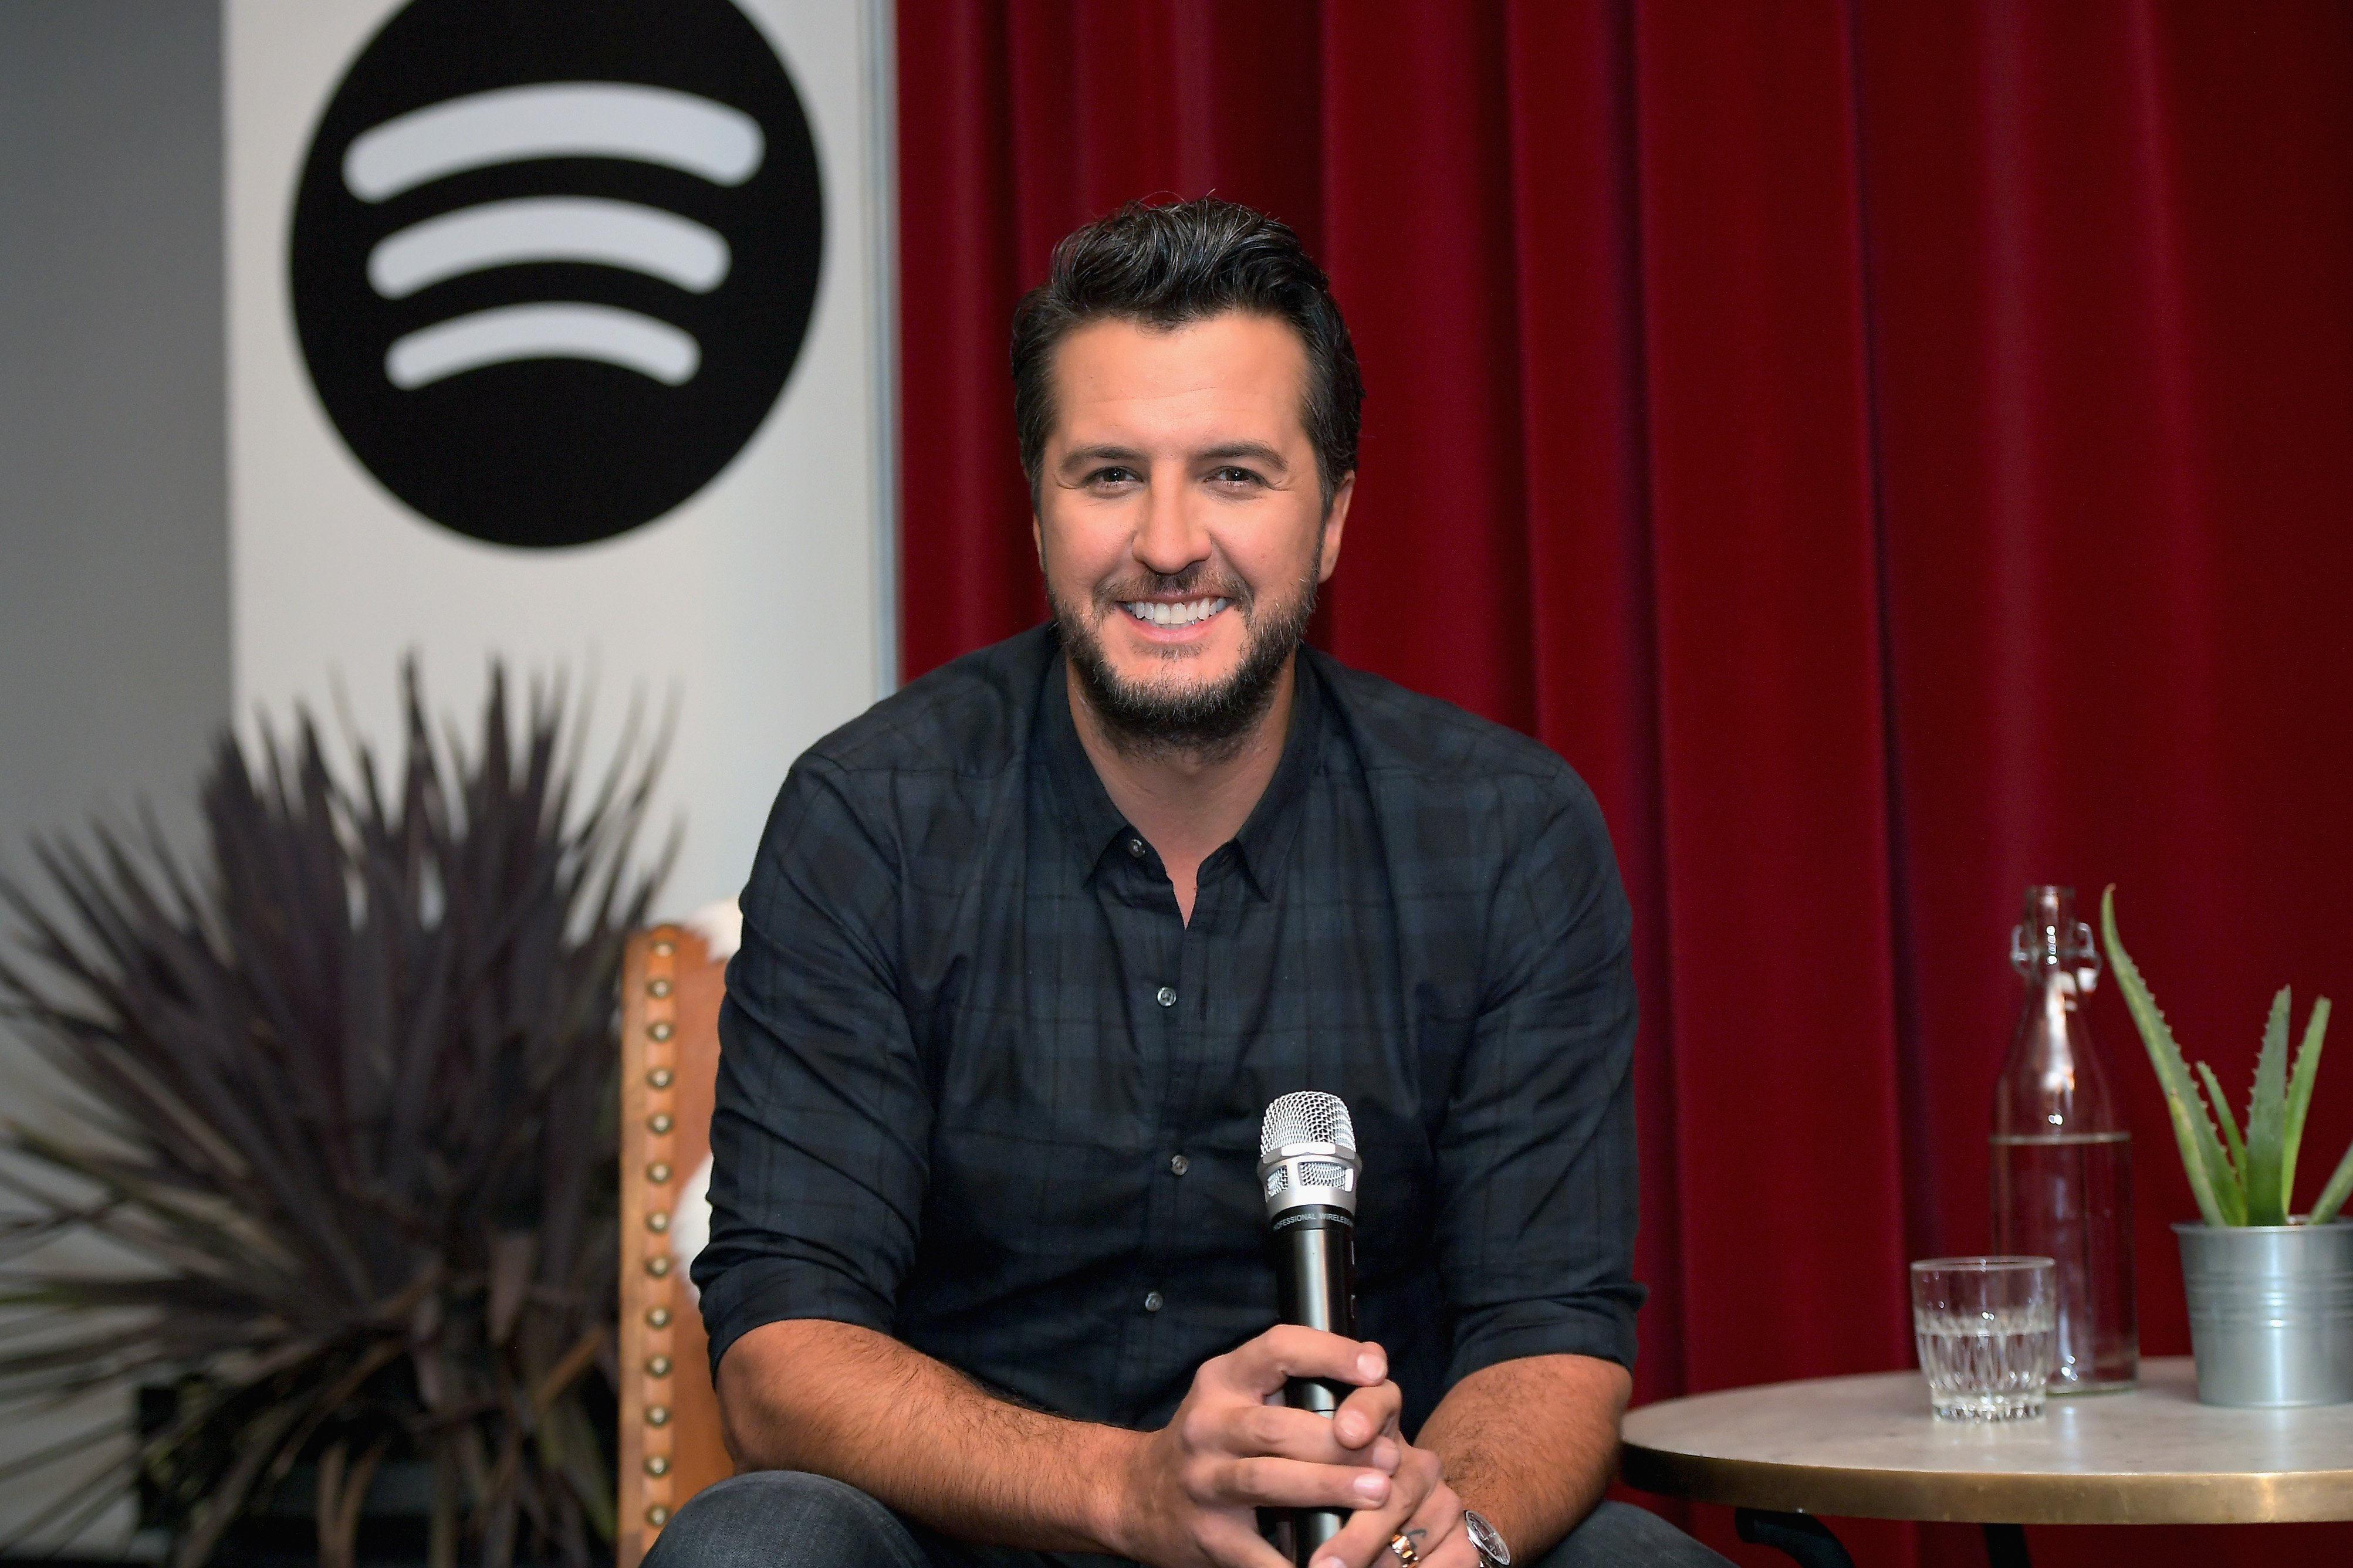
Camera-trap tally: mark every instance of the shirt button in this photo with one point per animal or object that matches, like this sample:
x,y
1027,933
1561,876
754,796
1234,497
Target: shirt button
x,y
1166,996
1152,1302
1178,1165
1135,848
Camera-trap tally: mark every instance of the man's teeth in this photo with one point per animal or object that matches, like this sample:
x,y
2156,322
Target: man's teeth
x,y
1182,614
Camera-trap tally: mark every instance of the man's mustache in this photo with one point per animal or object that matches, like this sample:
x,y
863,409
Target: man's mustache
x,y
1198,581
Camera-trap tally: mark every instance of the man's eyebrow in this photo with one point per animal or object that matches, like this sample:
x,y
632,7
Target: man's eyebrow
x,y
1078,457
1256,452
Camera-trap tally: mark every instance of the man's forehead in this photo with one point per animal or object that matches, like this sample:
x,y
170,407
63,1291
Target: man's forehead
x,y
1234,365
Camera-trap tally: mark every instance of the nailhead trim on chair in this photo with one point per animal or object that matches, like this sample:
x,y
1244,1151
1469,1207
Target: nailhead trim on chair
x,y
662,1290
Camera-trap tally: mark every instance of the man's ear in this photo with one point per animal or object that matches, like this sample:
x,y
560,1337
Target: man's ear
x,y
1335,522
1038,539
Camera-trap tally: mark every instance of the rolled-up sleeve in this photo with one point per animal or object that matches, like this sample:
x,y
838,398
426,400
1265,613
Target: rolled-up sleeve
x,y
1536,1159
821,1122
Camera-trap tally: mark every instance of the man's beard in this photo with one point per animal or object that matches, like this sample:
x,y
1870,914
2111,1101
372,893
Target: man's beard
x,y
1207,721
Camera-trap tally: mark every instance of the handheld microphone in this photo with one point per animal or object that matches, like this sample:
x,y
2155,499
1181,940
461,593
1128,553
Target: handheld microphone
x,y
1307,1169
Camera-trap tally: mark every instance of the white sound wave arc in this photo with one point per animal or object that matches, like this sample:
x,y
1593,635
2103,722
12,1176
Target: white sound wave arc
x,y
550,228
554,119
624,338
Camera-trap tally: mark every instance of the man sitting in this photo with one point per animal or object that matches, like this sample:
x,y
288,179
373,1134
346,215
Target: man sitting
x,y
1030,947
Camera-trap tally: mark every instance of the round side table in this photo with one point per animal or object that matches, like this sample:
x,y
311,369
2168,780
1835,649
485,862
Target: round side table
x,y
1867,1448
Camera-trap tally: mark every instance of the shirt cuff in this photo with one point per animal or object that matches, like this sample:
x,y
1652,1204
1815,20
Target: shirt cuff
x,y
773,1290
1602,1329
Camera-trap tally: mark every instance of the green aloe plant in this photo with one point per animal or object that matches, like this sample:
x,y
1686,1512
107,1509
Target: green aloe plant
x,y
2239,1177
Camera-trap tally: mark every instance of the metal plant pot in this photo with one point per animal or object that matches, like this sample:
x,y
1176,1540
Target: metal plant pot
x,y
2271,1312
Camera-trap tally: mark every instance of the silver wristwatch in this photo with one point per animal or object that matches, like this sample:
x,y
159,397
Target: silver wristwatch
x,y
1493,1552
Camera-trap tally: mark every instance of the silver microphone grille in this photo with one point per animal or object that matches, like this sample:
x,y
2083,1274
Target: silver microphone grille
x,y
1309,1116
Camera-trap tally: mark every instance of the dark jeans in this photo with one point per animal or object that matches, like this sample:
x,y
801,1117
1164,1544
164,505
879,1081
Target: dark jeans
x,y
771,1518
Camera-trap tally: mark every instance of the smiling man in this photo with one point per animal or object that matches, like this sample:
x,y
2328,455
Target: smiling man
x,y
1028,949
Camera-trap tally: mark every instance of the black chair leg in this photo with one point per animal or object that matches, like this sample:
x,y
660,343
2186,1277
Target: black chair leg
x,y
2006,1546
1799,1536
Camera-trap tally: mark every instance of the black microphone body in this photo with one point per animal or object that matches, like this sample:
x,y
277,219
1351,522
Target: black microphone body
x,y
1307,1174
1315,1277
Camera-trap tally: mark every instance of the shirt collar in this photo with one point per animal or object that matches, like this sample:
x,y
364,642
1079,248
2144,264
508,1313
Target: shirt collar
x,y
1095,822
1097,825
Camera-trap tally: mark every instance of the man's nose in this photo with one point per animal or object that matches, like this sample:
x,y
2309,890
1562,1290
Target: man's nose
x,y
1171,537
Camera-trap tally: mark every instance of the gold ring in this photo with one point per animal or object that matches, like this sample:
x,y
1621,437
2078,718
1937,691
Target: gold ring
x,y
1402,1549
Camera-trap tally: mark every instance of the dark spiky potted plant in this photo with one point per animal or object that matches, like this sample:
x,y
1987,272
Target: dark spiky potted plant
x,y
2271,1319
341,1099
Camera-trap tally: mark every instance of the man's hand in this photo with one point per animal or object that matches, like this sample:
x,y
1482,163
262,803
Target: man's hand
x,y
1194,1487
1530,1442
1422,1506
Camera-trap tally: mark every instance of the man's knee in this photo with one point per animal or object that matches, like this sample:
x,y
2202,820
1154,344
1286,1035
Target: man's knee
x,y
1619,1535
766,1517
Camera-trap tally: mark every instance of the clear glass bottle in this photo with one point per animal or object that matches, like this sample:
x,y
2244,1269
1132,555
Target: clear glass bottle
x,y
2062,1155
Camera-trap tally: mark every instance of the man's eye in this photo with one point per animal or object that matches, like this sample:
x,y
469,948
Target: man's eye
x,y
1114,476
1234,476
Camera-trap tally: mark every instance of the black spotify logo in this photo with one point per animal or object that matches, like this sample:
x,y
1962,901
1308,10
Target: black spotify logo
x,y
552,259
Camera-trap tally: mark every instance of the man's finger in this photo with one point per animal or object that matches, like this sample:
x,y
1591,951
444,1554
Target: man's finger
x,y
1230,1544
1265,1482
1365,1542
1263,1364
1366,1414
1419,1500
1454,1552
1284,1433
1454,1549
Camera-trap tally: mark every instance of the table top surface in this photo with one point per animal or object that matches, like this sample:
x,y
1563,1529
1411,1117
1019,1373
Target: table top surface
x,y
1868,1448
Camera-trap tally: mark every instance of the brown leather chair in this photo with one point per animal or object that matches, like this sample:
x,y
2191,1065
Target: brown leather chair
x,y
671,1447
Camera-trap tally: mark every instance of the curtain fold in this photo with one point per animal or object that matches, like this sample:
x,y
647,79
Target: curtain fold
x,y
1897,450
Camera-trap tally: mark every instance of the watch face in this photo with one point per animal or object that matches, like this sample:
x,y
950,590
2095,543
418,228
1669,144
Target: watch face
x,y
1483,1536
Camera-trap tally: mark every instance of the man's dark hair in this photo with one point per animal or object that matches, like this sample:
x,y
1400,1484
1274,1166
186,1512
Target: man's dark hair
x,y
1167,267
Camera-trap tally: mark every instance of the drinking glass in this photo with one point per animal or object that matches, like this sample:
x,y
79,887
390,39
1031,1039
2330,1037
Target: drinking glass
x,y
1987,1332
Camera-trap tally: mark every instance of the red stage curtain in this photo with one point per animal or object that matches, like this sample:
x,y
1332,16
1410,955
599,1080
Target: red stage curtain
x,y
1896,450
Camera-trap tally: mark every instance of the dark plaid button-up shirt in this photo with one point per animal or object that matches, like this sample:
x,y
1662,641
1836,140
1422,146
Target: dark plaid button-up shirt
x,y
984,1088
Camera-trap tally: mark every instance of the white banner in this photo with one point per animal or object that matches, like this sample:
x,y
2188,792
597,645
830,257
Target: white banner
x,y
559,330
